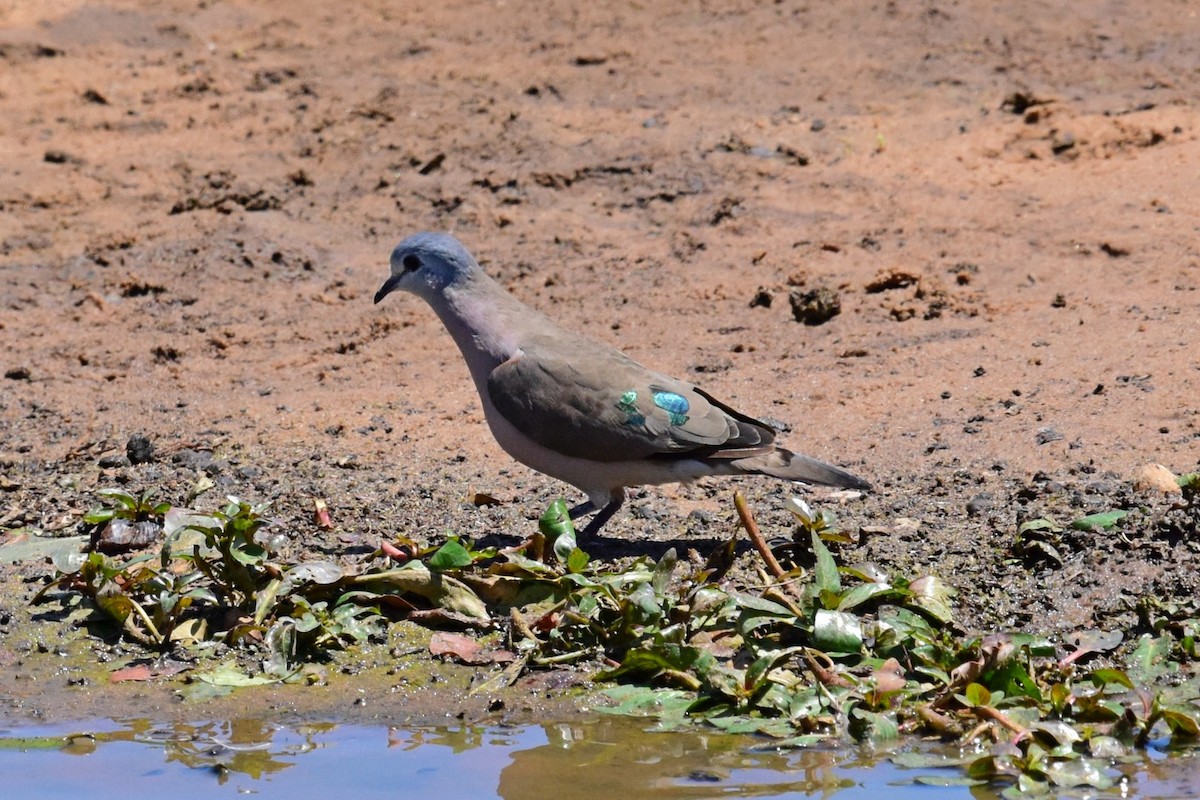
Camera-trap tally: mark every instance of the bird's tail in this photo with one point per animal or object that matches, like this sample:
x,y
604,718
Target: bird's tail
x,y
789,466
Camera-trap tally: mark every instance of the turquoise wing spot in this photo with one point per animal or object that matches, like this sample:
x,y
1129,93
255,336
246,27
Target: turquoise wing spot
x,y
628,405
676,406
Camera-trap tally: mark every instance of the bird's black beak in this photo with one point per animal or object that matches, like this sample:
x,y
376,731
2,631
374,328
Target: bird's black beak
x,y
387,287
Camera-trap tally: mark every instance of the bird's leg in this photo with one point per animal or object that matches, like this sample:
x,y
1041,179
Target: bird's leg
x,y
605,514
580,510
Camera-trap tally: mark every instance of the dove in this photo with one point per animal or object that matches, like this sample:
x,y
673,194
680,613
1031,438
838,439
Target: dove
x,y
580,411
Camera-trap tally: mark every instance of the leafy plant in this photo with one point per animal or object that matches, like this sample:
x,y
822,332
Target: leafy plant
x,y
820,651
123,505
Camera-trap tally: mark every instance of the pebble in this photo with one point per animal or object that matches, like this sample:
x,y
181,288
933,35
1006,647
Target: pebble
x,y
980,503
139,449
1156,478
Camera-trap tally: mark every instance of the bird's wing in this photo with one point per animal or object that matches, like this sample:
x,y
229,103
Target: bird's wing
x,y
589,401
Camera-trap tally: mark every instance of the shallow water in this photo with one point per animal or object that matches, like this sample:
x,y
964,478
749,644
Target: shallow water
x,y
606,757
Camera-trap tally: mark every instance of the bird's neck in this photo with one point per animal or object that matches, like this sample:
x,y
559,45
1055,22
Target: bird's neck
x,y
484,321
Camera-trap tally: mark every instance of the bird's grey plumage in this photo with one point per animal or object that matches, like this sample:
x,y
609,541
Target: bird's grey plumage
x,y
578,410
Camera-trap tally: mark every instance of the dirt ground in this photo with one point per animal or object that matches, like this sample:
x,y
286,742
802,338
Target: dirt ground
x,y
198,198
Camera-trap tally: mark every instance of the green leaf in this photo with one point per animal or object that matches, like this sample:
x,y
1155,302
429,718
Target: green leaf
x,y
663,571
1056,731
577,561
229,675
321,573
264,601
917,759
1039,524
1105,520
556,521
635,700
865,592
451,555
826,577
1183,722
248,554
873,726
749,602
837,631
1103,677
98,516
776,728
1079,772
443,591
1152,659
756,673
975,696
932,596
64,552
121,496
1014,680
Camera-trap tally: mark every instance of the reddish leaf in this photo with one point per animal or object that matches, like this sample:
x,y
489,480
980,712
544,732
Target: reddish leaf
x,y
146,672
138,672
462,648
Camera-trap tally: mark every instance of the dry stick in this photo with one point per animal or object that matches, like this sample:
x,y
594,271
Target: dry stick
x,y
987,712
743,510
760,544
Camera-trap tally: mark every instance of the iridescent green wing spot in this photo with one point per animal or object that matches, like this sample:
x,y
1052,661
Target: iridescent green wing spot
x,y
628,406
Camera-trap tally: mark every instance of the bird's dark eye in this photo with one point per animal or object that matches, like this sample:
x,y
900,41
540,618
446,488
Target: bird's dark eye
x,y
411,263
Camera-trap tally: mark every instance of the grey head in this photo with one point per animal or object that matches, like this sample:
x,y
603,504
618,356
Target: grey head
x,y
426,263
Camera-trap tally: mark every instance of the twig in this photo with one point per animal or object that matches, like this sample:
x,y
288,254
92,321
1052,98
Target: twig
x,y
743,510
824,674
760,544
989,713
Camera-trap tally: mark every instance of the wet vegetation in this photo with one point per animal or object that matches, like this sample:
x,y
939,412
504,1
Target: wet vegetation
x,y
796,646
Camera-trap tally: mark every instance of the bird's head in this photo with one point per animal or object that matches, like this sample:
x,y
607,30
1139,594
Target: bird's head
x,y
426,263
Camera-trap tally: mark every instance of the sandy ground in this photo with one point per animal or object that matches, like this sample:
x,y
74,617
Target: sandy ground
x,y
197,202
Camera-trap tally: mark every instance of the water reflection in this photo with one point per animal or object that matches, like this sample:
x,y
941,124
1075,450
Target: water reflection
x,y
600,757
616,757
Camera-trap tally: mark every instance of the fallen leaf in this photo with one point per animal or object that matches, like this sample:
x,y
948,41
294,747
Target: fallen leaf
x,y
138,672
146,671
463,648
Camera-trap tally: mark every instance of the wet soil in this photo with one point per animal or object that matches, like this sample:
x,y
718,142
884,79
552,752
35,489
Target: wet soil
x,y
197,201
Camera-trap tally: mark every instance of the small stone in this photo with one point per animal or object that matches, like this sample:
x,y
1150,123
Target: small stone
x,y
139,449
1156,478
762,298
645,511
980,503
1047,435
1062,142
703,776
199,460
816,306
